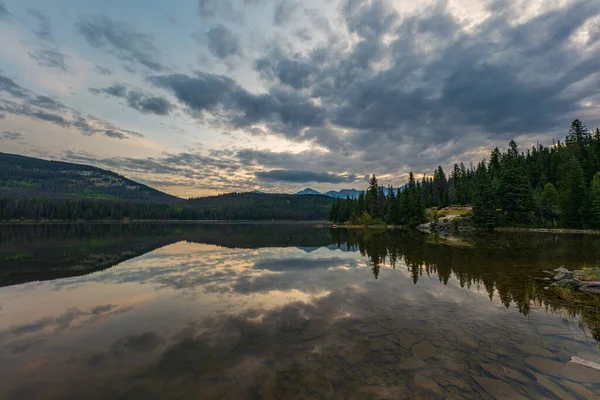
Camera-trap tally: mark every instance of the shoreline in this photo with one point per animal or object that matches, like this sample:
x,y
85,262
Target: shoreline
x,y
165,221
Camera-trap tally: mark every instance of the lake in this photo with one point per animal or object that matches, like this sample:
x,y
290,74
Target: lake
x,y
233,311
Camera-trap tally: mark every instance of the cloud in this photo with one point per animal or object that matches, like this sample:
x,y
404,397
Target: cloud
x,y
7,135
284,111
50,58
44,30
223,42
138,100
209,9
121,41
102,70
115,134
302,264
46,109
46,102
298,176
9,86
3,10
284,9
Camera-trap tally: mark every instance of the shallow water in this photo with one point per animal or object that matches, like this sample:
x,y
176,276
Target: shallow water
x,y
273,311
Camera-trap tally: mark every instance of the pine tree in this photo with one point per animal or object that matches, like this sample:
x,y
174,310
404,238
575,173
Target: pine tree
x,y
516,196
371,196
594,203
484,202
550,201
572,193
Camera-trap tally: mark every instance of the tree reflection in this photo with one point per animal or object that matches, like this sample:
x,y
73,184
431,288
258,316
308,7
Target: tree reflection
x,y
509,267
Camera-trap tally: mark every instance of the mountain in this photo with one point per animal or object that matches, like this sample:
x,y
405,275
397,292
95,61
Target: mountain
x,y
33,177
309,191
342,194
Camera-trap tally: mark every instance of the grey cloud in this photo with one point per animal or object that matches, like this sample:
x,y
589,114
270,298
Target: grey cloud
x,y
293,72
299,176
121,41
149,104
3,10
46,102
436,90
9,86
102,70
301,264
44,30
47,109
55,118
143,102
285,111
50,58
218,8
115,134
223,42
284,9
7,135
116,89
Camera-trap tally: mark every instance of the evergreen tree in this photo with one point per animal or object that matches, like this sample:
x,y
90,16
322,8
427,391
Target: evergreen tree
x,y
550,201
516,196
572,193
594,203
371,196
484,202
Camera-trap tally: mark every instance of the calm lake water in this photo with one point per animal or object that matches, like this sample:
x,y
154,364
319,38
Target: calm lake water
x,y
223,311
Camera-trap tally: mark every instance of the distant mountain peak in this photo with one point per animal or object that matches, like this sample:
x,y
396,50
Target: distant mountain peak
x,y
309,191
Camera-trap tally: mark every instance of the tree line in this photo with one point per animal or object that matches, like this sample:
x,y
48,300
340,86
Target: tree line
x,y
545,186
235,206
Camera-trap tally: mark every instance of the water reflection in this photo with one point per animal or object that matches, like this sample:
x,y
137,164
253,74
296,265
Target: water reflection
x,y
225,311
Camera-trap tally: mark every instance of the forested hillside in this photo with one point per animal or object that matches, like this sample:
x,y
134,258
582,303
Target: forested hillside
x,y
33,177
34,189
546,186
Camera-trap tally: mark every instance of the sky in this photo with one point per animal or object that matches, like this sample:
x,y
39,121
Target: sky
x,y
199,97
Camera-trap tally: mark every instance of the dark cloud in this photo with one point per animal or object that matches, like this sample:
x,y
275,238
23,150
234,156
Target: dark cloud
x,y
143,102
285,111
223,42
103,71
121,41
284,9
417,91
7,135
298,176
50,58
292,72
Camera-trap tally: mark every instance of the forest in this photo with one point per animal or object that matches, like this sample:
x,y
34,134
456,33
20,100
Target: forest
x,y
233,206
544,186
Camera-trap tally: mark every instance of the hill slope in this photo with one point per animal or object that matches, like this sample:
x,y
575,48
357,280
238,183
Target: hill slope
x,y
33,177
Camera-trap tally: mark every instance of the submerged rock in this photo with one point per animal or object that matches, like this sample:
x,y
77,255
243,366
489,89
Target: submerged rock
x,y
585,280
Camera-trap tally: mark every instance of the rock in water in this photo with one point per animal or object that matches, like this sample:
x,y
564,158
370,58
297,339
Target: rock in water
x,y
585,363
563,275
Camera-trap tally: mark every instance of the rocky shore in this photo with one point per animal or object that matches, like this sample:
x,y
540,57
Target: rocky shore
x,y
450,224
585,280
